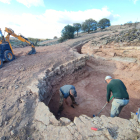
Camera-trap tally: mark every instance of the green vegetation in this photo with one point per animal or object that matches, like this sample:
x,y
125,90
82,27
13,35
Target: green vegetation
x,y
55,37
67,33
34,40
77,27
103,23
89,25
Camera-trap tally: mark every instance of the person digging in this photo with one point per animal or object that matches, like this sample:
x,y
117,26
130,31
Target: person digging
x,y
120,94
65,92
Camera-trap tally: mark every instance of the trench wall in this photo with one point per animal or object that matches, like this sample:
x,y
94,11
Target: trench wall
x,y
66,73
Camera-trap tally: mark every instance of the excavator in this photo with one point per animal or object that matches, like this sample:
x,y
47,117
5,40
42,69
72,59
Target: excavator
x,y
6,50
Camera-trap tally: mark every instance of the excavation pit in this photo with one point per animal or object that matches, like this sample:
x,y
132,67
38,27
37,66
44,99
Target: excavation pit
x,y
87,75
91,93
91,96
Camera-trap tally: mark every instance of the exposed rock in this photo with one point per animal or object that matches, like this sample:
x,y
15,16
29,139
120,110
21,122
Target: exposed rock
x,y
6,122
138,129
12,132
3,138
43,115
16,86
108,128
33,86
65,120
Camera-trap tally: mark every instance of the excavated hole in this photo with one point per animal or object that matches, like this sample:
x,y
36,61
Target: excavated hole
x,y
78,48
91,91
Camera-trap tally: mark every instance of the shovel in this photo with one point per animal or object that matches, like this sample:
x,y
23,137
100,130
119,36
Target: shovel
x,y
103,107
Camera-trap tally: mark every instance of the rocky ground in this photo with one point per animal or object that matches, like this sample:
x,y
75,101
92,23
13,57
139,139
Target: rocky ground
x,y
23,116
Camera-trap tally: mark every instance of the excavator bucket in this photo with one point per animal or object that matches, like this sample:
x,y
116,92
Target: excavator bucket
x,y
33,51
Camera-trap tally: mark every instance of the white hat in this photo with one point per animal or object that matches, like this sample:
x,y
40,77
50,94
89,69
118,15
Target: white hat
x,y
108,77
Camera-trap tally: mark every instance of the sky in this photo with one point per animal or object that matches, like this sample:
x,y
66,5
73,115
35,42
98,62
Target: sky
x,y
46,18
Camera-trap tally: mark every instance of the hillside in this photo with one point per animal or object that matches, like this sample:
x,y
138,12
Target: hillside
x,y
29,87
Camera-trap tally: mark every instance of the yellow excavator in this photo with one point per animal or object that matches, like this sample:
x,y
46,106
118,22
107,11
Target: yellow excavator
x,y
6,50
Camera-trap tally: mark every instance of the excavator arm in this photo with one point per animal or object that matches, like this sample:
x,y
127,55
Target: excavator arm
x,y
21,38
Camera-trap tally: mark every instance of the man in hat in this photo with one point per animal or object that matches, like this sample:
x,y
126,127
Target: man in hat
x,y
65,92
120,94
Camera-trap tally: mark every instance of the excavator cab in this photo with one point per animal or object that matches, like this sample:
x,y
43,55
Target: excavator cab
x,y
6,51
6,54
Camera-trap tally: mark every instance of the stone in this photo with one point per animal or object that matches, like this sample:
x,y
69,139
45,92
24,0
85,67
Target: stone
x,y
65,120
43,114
83,128
3,138
10,87
0,122
65,134
72,128
16,86
134,122
23,93
6,122
2,87
57,70
33,87
138,129
12,132
53,120
104,42
40,126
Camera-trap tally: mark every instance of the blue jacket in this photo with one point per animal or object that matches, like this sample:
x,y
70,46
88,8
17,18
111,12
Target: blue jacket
x,y
66,90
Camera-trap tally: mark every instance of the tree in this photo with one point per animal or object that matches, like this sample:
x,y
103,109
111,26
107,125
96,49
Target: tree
x,y
55,37
89,25
68,32
103,23
77,27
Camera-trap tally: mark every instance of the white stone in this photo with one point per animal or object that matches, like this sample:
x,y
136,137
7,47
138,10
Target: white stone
x,y
12,132
65,120
33,86
44,115
16,86
138,129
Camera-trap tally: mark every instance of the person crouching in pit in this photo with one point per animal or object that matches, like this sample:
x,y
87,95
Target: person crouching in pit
x,y
66,91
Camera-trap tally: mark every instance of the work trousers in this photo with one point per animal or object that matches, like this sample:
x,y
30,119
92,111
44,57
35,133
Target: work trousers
x,y
117,106
62,99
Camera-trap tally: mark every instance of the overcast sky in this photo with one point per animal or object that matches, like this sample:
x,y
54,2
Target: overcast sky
x,y
46,18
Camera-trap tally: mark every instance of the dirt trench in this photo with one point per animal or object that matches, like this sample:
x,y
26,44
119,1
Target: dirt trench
x,y
91,97
91,91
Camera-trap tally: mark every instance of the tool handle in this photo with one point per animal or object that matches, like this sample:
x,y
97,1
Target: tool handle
x,y
104,106
102,109
110,98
